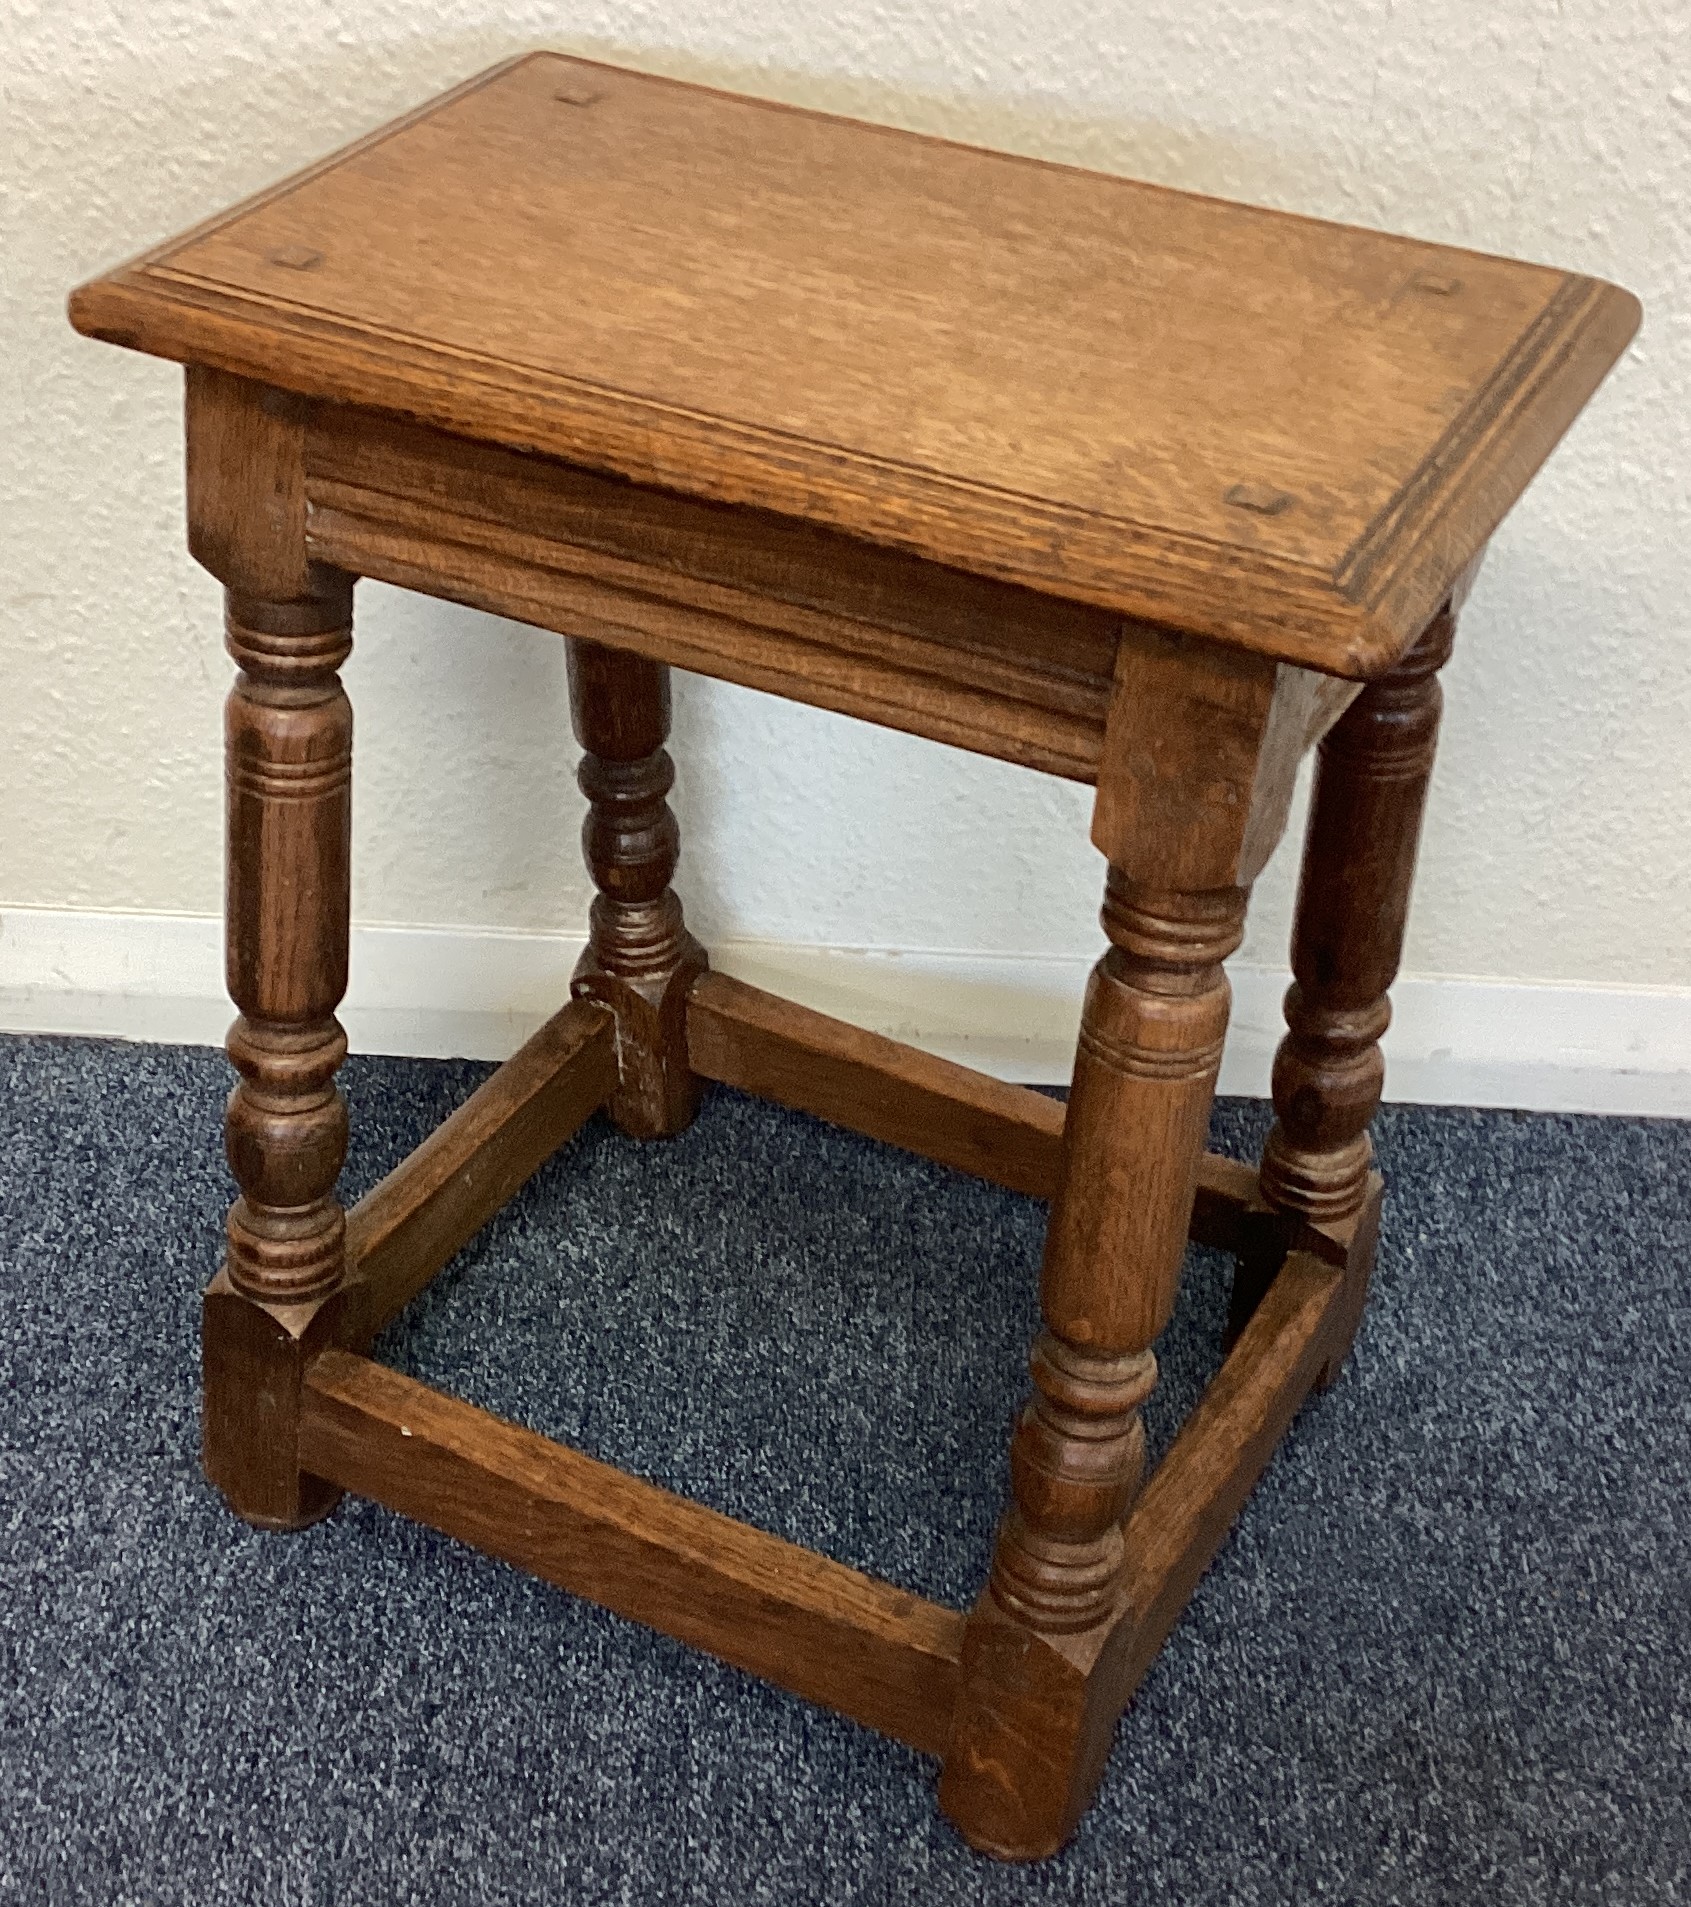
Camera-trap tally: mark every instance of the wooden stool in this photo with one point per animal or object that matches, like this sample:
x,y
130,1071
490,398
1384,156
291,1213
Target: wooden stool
x,y
1141,489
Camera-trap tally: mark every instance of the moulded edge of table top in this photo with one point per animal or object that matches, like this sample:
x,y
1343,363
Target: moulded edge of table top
x,y
1355,620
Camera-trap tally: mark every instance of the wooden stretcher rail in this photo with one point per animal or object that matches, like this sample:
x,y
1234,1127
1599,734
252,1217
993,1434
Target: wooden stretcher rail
x,y
1191,1500
741,1036
401,1233
885,1658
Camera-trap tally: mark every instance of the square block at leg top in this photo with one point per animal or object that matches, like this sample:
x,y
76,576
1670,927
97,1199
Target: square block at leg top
x,y
253,1358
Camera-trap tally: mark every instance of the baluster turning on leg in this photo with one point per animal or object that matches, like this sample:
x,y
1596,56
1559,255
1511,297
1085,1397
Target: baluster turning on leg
x,y
289,766
1029,1746
640,959
1353,901
1150,1047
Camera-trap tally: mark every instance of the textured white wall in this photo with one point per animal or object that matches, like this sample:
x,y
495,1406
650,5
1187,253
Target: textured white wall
x,y
1557,130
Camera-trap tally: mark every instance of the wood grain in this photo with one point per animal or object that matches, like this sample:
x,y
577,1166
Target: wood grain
x,y
1037,1712
1028,1743
1104,479
288,837
639,960
1353,906
1192,1498
1200,758
769,602
245,445
253,1360
1358,870
751,1040
406,1228
287,898
1284,434
1012,1136
829,1633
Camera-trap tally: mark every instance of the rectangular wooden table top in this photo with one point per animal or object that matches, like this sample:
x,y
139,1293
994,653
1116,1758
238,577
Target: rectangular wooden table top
x,y
1286,434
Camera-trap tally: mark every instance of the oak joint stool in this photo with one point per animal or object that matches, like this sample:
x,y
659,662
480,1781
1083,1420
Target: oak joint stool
x,y
1149,491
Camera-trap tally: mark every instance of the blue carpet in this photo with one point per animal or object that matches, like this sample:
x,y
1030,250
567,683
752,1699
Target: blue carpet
x,y
1446,1656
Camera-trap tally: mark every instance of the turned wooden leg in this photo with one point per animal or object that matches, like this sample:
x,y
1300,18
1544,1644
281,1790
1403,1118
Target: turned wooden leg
x,y
1353,900
640,959
1034,1724
274,1304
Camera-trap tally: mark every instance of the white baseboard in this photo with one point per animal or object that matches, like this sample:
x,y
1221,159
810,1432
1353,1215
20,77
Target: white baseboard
x,y
443,992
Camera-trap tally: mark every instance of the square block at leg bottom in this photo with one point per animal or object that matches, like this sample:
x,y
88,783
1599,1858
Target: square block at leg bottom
x,y
254,1357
